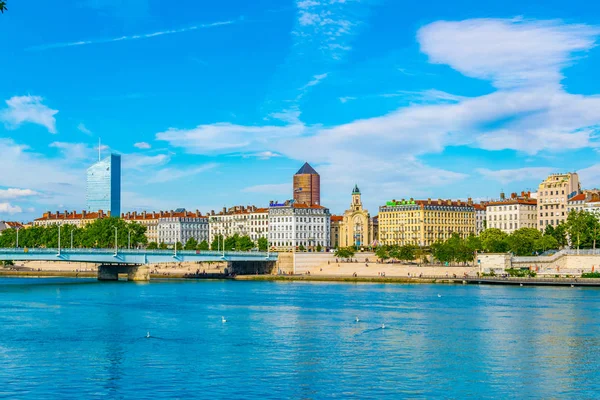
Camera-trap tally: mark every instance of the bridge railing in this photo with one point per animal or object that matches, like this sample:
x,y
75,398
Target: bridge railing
x,y
208,253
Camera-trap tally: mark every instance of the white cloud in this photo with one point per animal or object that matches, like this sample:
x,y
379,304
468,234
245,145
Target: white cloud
x,y
226,137
132,37
173,174
73,151
327,26
590,176
142,162
279,189
506,176
346,99
9,209
527,116
142,145
510,53
263,155
14,193
22,109
83,129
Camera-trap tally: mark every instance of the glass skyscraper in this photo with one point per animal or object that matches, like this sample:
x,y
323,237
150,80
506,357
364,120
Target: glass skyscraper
x,y
104,186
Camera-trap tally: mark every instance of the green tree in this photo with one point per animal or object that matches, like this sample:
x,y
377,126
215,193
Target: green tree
x,y
163,246
345,252
203,246
3,6
407,252
263,244
583,229
231,242
179,246
319,248
493,240
301,248
546,242
382,253
522,241
152,246
217,243
244,243
191,244
560,234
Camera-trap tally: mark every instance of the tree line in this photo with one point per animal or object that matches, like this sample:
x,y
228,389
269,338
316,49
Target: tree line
x,y
101,234
234,242
98,234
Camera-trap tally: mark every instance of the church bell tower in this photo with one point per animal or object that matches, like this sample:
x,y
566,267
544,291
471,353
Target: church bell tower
x,y
356,200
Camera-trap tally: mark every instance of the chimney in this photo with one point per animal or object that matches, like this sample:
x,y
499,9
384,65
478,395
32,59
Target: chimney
x,y
449,202
470,201
502,196
513,195
439,202
83,213
429,200
528,194
224,210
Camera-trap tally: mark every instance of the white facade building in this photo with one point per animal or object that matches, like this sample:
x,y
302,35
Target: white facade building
x,y
511,214
180,226
292,225
480,213
244,221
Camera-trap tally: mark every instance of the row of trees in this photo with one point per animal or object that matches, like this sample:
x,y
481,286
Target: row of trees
x,y
235,242
99,234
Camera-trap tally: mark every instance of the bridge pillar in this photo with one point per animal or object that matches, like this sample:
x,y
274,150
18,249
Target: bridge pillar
x,y
108,273
138,273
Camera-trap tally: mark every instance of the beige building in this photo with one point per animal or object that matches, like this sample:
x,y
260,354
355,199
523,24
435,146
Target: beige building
x,y
424,222
356,228
336,221
553,196
245,221
69,218
513,213
147,219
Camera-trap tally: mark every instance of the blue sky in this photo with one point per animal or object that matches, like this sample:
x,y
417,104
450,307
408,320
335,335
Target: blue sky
x,y
215,104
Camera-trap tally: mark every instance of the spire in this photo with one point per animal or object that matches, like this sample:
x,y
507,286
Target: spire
x,y
356,190
306,170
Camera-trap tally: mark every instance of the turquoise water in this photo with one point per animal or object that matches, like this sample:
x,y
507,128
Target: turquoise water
x,y
67,338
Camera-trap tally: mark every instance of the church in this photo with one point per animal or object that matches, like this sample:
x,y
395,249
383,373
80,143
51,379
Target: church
x,y
357,227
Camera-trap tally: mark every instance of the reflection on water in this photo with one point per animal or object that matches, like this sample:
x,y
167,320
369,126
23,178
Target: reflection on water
x,y
80,338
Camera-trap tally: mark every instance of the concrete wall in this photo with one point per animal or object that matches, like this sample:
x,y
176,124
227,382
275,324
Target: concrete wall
x,y
565,264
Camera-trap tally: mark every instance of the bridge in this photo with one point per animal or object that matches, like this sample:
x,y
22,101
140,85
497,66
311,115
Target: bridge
x,y
136,262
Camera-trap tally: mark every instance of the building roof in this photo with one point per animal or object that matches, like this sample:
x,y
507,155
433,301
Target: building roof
x,y
72,216
508,202
303,205
579,197
307,170
337,218
479,206
10,225
429,202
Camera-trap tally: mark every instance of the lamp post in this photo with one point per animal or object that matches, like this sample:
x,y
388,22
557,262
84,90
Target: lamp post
x,y
116,245
59,240
17,238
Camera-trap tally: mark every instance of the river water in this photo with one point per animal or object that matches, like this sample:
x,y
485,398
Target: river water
x,y
77,338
